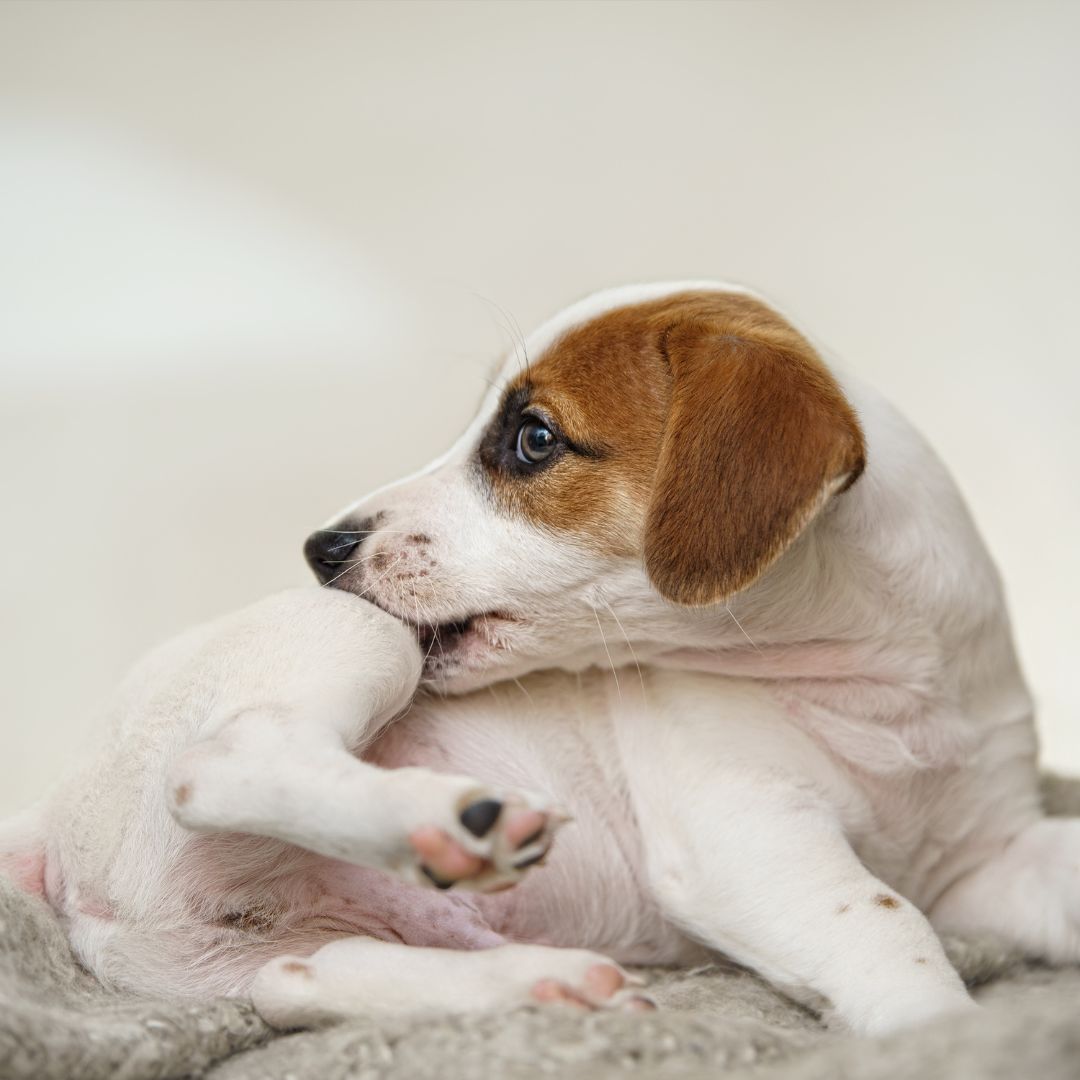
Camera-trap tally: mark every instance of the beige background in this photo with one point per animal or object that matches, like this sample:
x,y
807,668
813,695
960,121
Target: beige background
x,y
252,258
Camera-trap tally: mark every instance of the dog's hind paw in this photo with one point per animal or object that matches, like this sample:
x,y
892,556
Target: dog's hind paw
x,y
496,839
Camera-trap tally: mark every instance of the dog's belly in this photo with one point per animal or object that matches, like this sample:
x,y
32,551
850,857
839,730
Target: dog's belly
x,y
591,892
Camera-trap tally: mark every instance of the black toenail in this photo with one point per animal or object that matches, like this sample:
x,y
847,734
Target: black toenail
x,y
480,816
531,861
531,838
436,881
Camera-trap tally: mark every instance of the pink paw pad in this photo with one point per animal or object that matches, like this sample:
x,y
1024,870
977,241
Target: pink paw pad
x,y
603,987
442,858
516,837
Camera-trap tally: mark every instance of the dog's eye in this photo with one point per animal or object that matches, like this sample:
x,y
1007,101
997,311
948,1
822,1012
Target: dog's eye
x,y
535,442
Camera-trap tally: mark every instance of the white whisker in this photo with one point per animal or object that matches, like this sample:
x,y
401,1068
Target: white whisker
x,y
368,532
427,622
350,566
521,338
626,638
416,612
740,626
493,385
378,581
518,683
510,325
356,562
603,638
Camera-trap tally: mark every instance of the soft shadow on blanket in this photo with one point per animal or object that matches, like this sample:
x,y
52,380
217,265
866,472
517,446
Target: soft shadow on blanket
x,y
57,1022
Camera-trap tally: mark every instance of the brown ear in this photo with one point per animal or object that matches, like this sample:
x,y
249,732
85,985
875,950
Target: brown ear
x,y
758,436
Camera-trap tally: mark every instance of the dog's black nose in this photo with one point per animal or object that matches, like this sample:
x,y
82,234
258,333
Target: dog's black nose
x,y
328,551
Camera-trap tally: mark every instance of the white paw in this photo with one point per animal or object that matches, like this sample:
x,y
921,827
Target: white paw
x,y
388,982
900,1013
1028,895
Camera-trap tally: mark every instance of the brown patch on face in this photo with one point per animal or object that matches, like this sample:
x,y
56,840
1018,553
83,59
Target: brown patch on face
x,y
707,434
604,387
182,794
886,901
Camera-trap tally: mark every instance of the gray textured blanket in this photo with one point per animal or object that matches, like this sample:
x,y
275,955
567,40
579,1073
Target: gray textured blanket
x,y
56,1021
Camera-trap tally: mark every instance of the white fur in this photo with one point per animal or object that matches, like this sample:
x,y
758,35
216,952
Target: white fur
x,y
806,779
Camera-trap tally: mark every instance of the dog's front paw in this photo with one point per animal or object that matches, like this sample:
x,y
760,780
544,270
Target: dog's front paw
x,y
484,840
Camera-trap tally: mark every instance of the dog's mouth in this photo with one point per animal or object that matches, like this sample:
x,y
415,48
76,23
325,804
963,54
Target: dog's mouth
x,y
467,642
483,628
446,636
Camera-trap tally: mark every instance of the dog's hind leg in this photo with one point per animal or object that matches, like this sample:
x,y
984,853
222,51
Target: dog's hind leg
x,y
298,690
1028,895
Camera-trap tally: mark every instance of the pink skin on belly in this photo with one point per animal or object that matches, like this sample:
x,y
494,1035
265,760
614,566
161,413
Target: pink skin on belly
x,y
384,907
251,884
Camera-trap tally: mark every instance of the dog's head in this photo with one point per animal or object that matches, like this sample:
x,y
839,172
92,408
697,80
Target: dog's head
x,y
655,452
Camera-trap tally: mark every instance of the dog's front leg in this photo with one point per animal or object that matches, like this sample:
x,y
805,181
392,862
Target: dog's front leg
x,y
293,688
746,851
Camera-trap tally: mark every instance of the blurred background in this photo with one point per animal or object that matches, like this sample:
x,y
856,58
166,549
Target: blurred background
x,y
254,259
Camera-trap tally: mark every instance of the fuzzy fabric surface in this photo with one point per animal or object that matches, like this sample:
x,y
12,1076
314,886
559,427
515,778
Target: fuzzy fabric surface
x,y
58,1022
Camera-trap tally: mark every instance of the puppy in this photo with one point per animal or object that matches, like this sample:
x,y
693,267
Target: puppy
x,y
678,582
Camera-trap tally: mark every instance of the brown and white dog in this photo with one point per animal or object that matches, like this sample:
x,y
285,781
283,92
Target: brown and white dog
x,y
678,580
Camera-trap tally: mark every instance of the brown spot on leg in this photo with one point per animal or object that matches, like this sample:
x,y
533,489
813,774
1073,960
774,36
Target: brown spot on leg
x,y
843,908
921,960
182,794
297,967
886,901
